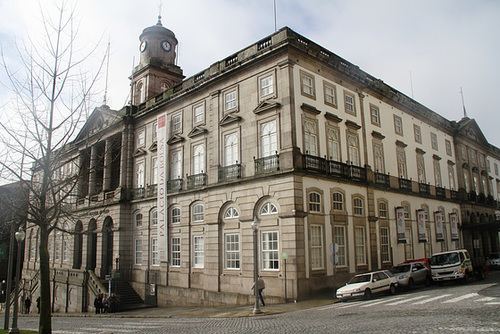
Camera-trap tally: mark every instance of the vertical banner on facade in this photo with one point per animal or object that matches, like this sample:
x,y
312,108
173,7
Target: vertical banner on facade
x,y
422,231
454,225
162,187
400,223
438,218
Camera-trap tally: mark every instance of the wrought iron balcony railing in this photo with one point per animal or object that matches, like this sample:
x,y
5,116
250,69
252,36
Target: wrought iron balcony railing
x,y
196,181
174,185
229,173
267,165
405,184
440,192
424,188
383,179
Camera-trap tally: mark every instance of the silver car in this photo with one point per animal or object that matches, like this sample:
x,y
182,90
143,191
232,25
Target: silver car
x,y
493,261
409,274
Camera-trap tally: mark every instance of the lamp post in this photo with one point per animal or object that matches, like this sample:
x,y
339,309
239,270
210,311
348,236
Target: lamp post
x,y
255,228
20,238
117,271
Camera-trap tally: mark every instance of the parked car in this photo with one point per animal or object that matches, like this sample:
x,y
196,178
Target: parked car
x,y
409,274
493,261
451,265
364,285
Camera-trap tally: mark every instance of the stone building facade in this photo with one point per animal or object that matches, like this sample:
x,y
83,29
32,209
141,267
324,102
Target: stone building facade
x,y
283,134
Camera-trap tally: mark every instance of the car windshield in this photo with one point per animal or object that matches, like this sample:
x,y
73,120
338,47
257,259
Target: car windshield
x,y
494,256
444,259
360,279
400,269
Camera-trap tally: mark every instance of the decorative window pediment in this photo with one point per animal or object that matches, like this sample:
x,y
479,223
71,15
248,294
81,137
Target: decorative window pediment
x,y
266,106
310,108
138,152
377,135
175,139
332,117
228,119
419,150
197,131
400,143
352,125
153,146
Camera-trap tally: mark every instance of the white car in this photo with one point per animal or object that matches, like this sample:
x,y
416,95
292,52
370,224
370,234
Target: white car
x,y
364,285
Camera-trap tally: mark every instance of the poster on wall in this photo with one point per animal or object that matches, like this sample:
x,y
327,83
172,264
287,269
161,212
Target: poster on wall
x,y
438,219
162,187
400,222
422,231
454,225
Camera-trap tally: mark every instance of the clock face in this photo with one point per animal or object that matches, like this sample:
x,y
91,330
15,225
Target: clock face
x,y
166,46
142,48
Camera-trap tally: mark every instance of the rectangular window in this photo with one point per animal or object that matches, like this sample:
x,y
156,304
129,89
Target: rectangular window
x,y
57,250
375,115
314,202
154,172
232,250
434,141
358,206
266,86
448,147
310,138
421,168
333,144
417,133
382,210
353,149
408,245
401,157
154,134
198,159
230,100
330,92
175,253
437,173
138,252
495,167
268,139
378,156
270,251
307,85
199,114
339,239
177,123
176,165
65,251
138,219
398,125
359,239
198,251
155,260
316,247
451,177
139,175
349,104
141,137
384,244
231,154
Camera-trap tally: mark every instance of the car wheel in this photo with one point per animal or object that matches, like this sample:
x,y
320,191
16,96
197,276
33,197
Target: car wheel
x,y
368,294
411,284
392,289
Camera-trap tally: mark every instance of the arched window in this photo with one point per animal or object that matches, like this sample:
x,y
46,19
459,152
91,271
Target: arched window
x,y
154,217
268,209
198,213
138,219
176,215
231,213
314,202
407,212
338,201
358,206
382,210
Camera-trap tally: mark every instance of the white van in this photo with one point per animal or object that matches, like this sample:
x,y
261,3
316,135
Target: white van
x,y
452,265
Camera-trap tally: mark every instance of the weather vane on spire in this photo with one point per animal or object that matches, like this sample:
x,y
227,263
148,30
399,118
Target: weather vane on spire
x,y
159,13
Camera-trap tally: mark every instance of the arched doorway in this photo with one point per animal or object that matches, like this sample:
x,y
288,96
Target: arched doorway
x,y
77,246
92,245
107,247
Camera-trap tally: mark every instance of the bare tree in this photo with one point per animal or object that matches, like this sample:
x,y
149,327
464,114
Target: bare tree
x,y
51,94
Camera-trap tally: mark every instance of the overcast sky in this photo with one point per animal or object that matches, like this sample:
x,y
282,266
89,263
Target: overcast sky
x,y
427,49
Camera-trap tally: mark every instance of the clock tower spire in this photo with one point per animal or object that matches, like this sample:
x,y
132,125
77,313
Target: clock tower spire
x,y
157,70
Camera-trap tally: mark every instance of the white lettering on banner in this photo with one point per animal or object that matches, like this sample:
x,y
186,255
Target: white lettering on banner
x,y
400,221
422,231
454,226
162,188
438,218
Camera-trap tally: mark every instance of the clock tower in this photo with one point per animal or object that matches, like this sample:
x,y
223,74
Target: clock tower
x,y
157,70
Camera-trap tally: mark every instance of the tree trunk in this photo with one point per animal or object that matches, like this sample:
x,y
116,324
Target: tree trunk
x,y
45,323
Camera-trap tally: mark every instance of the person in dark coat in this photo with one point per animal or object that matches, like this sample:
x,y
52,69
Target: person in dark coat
x,y
38,304
98,303
27,305
261,285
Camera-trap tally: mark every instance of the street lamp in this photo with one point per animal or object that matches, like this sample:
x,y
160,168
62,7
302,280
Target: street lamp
x,y
117,273
255,228
20,238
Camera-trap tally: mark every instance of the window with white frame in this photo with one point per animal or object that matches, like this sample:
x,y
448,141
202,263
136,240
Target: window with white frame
x,y
155,259
408,245
353,149
339,239
139,174
198,213
177,123
268,139
154,217
338,201
359,240
382,210
266,86
268,209
231,154
138,252
199,114
314,202
316,247
310,138
437,173
154,132
198,251
175,252
307,81
154,172
270,250
231,213
421,168
330,92
401,158
176,215
358,206
141,137
451,177
375,115
333,141
417,133
198,159
232,250
384,244
230,100
349,105
398,125
176,165
406,210
378,156
434,141
138,219
447,144
65,250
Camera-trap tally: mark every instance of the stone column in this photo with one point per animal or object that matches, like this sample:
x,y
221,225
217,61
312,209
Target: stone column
x,y
108,157
93,166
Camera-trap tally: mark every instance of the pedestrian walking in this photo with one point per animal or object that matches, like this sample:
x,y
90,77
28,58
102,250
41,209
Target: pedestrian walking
x,y
261,285
27,305
38,304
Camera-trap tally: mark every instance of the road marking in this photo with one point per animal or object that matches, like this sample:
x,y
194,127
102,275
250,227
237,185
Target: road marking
x,y
431,299
355,304
467,296
493,303
486,299
407,300
382,301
